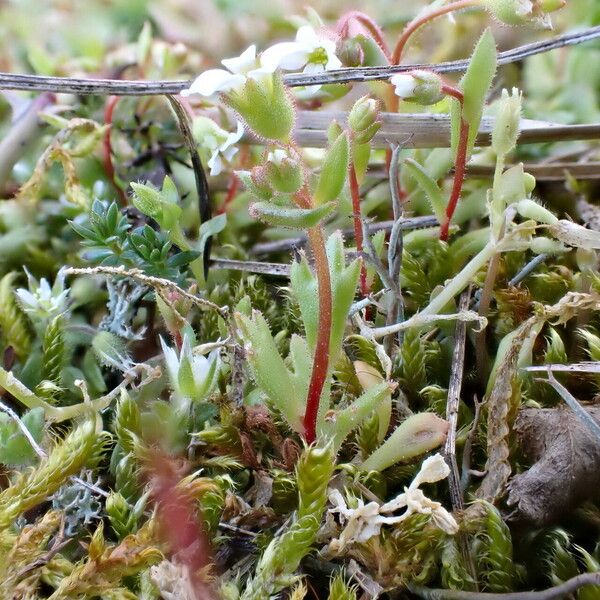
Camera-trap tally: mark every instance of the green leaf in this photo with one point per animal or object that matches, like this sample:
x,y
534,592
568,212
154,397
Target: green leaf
x,y
429,185
269,370
294,218
475,85
416,435
334,170
15,449
209,229
349,418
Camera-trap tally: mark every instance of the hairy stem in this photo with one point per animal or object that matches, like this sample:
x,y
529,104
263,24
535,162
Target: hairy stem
x,y
460,164
321,359
419,21
369,24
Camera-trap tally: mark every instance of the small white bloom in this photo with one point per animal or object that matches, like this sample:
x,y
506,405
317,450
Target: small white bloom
x,y
216,81
191,375
311,53
405,85
225,151
42,301
277,156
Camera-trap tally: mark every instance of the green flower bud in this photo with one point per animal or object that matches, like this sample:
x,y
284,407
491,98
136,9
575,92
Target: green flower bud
x,y
363,120
506,126
265,106
524,12
423,87
532,210
544,245
283,173
530,182
255,182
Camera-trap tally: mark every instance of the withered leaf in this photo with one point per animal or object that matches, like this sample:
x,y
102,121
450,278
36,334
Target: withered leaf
x,y
565,471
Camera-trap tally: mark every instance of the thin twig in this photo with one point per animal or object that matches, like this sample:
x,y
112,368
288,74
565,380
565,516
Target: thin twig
x,y
204,203
452,403
559,591
41,452
153,282
123,87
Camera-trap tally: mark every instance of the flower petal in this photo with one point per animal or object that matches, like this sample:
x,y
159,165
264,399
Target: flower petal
x,y
405,85
286,55
308,37
242,63
212,81
215,164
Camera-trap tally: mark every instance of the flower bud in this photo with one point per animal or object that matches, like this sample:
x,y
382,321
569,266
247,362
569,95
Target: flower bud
x,y
532,210
265,105
350,52
506,126
363,120
524,12
283,173
256,183
423,87
544,245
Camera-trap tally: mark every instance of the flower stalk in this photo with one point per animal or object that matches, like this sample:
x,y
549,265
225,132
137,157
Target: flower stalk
x,y
460,163
321,358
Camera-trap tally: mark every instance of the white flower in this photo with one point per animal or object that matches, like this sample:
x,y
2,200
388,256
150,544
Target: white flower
x,y
226,151
42,301
277,156
405,85
217,142
311,53
192,375
365,521
238,70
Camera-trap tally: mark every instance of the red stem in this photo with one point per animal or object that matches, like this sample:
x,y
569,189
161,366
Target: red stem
x,y
358,232
109,167
232,189
422,20
321,359
460,163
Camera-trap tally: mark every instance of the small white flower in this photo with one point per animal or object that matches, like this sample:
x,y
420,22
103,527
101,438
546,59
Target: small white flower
x,y
192,375
42,301
226,151
405,85
216,81
277,156
311,53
